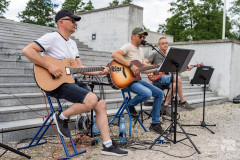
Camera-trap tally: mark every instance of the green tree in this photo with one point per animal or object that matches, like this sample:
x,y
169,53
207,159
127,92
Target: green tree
x,y
38,12
209,21
127,1
88,6
190,21
235,13
181,24
73,5
3,7
114,3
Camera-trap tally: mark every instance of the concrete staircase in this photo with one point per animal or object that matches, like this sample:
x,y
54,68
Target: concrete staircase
x,y
22,104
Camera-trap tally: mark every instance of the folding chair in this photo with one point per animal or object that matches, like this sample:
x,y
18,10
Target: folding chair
x,y
120,111
32,143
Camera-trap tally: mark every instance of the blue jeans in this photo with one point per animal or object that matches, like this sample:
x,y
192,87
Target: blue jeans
x,y
145,91
164,81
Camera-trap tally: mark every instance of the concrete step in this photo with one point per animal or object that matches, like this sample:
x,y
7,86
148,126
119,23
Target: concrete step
x,y
9,100
15,88
16,113
209,101
16,26
17,78
22,111
14,56
15,70
21,44
89,59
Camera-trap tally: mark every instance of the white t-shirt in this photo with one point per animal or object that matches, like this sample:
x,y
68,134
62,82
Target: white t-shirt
x,y
56,46
131,52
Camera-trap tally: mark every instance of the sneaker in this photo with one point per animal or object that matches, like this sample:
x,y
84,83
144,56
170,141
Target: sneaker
x,y
62,125
133,111
113,150
186,105
156,128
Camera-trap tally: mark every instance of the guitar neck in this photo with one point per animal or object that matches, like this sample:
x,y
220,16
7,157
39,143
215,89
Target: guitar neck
x,y
194,65
148,68
82,70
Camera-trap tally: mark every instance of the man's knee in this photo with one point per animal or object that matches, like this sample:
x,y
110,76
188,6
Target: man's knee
x,y
102,104
90,100
147,95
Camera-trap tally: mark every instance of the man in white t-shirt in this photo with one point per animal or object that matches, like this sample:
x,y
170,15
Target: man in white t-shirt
x,y
143,90
59,45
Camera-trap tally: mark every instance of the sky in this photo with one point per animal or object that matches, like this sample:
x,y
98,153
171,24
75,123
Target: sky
x,y
155,12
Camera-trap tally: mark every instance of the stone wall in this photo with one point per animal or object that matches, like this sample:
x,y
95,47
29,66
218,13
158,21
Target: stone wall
x,y
107,29
223,56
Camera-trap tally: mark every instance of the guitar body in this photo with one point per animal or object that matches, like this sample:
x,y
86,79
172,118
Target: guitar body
x,y
154,77
46,81
121,76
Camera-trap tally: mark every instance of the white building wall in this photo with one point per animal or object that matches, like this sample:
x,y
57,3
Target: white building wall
x,y
112,25
223,56
235,70
153,37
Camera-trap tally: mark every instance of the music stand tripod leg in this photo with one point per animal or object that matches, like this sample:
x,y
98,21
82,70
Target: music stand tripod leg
x,y
203,123
174,121
188,138
14,150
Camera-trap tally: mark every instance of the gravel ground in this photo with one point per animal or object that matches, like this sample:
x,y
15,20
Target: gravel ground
x,y
223,145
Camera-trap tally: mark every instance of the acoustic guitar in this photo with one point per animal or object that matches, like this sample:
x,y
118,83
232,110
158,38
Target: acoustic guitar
x,y
121,76
46,81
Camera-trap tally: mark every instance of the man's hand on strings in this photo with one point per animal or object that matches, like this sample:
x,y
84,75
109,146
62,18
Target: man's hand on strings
x,y
54,70
106,70
135,70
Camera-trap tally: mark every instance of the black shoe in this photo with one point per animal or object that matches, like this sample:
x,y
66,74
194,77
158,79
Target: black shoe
x,y
156,128
186,105
113,150
133,111
62,125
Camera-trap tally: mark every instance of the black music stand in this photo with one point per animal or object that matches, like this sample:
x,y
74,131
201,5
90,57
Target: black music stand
x,y
176,61
13,150
202,76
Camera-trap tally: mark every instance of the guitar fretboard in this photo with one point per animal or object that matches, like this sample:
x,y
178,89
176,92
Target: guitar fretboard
x,y
148,68
89,69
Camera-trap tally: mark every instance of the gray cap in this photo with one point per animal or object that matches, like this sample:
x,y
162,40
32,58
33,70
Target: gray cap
x,y
139,30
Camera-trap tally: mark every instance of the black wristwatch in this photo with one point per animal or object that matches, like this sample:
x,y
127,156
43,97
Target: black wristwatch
x,y
130,65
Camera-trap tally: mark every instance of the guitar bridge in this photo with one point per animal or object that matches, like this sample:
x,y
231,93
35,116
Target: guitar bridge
x,y
68,72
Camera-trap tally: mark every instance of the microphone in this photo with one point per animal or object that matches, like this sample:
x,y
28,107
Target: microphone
x,y
143,42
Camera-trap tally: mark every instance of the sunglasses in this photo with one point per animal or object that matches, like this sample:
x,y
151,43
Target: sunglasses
x,y
141,36
71,19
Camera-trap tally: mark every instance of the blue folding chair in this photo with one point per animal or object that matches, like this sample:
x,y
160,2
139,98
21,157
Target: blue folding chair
x,y
36,141
120,111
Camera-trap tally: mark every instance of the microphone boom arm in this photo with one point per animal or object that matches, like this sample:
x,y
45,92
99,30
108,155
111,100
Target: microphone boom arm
x,y
143,42
153,48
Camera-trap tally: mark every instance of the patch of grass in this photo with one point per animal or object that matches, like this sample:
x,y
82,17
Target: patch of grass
x,y
88,157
